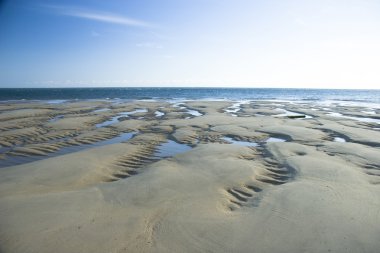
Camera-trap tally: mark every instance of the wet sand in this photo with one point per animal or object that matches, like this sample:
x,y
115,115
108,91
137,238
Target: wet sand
x,y
197,176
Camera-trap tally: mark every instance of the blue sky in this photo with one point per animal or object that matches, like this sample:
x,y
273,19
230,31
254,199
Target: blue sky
x,y
237,43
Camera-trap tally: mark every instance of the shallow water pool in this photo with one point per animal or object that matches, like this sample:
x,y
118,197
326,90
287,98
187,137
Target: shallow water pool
x,y
171,148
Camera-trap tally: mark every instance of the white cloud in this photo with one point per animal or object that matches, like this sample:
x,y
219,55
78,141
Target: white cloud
x,y
105,17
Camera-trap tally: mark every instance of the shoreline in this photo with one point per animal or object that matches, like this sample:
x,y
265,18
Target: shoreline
x,y
319,102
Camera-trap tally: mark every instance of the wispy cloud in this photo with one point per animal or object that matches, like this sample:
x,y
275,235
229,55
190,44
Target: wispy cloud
x,y
105,17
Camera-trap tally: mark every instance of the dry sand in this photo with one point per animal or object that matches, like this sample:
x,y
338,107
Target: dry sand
x,y
69,185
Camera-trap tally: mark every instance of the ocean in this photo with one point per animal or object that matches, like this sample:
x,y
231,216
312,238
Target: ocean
x,y
369,96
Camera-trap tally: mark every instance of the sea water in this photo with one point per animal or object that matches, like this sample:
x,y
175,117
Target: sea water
x,y
61,95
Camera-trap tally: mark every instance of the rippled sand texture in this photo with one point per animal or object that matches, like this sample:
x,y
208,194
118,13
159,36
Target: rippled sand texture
x,y
198,176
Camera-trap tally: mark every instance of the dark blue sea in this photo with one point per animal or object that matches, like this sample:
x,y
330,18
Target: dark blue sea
x,y
371,96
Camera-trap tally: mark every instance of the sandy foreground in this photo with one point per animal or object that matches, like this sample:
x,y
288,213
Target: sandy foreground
x,y
261,176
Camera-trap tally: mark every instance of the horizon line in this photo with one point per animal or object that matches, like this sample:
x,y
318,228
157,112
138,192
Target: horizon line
x,y
186,87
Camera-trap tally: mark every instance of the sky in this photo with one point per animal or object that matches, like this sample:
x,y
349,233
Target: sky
x,y
190,43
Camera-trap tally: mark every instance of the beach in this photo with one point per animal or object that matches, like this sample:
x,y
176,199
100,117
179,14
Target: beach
x,y
189,176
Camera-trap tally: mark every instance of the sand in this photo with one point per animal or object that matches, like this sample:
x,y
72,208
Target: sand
x,y
67,185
